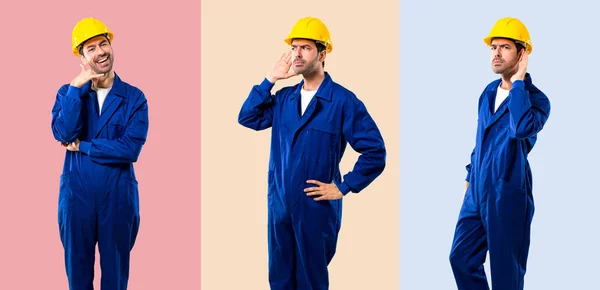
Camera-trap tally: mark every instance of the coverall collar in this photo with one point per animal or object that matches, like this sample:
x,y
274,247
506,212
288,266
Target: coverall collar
x,y
492,116
118,87
325,90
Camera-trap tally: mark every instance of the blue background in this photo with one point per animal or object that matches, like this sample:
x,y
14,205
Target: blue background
x,y
444,66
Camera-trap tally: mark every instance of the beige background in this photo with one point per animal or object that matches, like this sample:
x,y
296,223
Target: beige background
x,y
239,43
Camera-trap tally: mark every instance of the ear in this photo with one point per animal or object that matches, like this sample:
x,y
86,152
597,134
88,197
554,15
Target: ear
x,y
323,55
83,59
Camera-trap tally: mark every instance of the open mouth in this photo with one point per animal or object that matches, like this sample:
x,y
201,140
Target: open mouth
x,y
102,60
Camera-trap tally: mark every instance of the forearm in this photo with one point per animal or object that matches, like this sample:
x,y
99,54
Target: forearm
x,y
526,119
369,166
257,111
123,150
66,114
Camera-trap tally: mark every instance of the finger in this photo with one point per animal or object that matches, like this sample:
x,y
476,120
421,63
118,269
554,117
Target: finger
x,y
314,193
311,181
309,189
322,197
283,57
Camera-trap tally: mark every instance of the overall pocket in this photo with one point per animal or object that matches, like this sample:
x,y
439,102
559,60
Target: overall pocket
x,y
115,130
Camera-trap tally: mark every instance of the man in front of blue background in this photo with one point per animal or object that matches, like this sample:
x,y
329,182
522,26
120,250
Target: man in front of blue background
x,y
498,205
103,122
311,123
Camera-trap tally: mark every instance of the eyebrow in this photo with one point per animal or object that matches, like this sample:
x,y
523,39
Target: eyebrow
x,y
94,45
301,45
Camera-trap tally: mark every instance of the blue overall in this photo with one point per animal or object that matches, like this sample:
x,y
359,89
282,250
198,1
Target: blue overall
x,y
302,232
98,197
498,205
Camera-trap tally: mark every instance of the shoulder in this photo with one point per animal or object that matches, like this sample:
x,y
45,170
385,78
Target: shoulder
x,y
339,93
64,87
131,92
493,85
287,91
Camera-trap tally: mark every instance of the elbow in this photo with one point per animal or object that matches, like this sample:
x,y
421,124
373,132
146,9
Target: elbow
x,y
382,160
250,122
66,130
66,135
242,120
135,153
246,121
525,132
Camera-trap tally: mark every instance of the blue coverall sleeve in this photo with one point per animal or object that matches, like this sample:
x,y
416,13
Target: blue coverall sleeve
x,y
468,167
257,110
66,114
528,112
127,148
364,137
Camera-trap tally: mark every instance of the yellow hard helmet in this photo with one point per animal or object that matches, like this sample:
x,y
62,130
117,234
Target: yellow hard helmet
x,y
311,28
88,28
510,28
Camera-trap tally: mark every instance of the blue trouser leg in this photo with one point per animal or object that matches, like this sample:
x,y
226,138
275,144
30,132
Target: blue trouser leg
x,y
316,227
469,247
77,227
282,252
510,212
302,245
502,225
118,224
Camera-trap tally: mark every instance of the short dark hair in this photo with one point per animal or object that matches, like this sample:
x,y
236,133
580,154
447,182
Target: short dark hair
x,y
83,43
320,46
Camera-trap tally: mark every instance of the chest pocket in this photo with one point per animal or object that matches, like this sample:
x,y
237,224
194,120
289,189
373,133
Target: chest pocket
x,y
115,130
322,141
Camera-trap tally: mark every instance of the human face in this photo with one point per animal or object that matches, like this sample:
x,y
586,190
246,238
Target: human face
x,y
504,56
97,52
305,56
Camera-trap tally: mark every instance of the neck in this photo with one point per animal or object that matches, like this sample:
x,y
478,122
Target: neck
x,y
506,82
313,80
106,81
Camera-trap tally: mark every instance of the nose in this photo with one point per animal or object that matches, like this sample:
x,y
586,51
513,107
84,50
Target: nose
x,y
101,51
497,52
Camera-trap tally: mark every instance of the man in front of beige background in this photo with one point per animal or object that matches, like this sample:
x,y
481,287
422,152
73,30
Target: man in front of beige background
x,y
311,124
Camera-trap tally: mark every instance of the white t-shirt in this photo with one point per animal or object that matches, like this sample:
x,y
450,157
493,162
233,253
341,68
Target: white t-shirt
x,y
306,98
501,95
102,93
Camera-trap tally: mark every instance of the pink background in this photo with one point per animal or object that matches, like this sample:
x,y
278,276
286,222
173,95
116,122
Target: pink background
x,y
157,49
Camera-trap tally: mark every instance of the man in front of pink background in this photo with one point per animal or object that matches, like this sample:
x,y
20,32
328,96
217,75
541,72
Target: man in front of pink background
x,y
103,123
311,124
